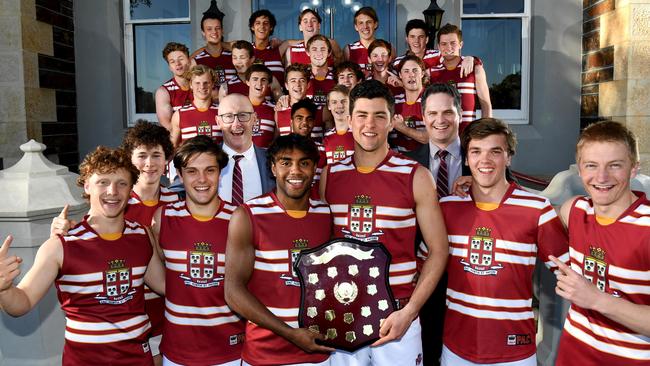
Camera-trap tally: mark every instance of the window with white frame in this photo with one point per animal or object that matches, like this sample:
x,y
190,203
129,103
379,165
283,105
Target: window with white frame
x,y
497,31
148,26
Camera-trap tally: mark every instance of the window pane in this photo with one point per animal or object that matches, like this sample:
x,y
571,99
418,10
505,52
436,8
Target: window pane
x,y
493,6
498,43
159,9
150,68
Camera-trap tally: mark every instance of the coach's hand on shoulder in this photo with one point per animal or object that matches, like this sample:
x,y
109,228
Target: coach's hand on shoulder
x,y
394,327
9,265
306,340
61,224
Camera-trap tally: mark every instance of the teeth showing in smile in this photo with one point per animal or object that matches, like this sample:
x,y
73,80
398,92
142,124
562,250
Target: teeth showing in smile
x,y
369,134
202,188
603,187
441,127
486,170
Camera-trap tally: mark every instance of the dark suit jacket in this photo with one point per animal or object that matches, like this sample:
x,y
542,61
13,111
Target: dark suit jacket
x,y
422,156
266,176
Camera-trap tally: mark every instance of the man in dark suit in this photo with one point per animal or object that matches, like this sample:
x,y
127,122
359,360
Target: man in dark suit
x,y
247,174
443,156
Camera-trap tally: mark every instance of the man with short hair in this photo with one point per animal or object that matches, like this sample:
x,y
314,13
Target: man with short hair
x,y
98,270
199,328
264,236
495,235
366,23
303,115
309,22
215,54
397,196
175,92
409,131
297,82
262,23
258,78
338,142
246,175
607,280
197,118
470,86
322,79
348,73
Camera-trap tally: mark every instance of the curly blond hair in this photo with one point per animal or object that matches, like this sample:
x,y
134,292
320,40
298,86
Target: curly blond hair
x,y
104,160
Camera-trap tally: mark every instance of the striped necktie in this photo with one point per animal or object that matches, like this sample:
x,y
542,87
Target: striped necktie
x,y
442,179
237,184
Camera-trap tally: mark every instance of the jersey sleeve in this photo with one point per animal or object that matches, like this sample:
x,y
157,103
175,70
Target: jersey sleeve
x,y
552,239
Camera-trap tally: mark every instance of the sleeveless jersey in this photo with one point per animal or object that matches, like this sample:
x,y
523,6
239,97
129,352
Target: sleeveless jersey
x,y
272,59
430,59
492,256
278,239
222,64
615,258
299,55
140,212
236,85
317,90
338,147
466,86
178,96
284,123
100,288
378,206
193,122
359,55
264,131
200,328
412,113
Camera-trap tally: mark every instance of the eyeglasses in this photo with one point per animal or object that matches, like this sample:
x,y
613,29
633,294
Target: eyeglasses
x,y
229,118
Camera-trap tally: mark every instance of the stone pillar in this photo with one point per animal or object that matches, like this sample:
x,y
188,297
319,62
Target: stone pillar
x,y
37,191
625,98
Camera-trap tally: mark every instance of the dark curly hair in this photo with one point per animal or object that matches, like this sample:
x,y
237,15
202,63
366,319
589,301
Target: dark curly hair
x,y
371,89
198,145
104,160
262,13
290,142
147,134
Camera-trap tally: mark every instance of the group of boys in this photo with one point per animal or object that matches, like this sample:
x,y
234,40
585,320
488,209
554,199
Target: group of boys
x,y
221,254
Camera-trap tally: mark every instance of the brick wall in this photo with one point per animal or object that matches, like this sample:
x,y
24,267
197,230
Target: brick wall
x,y
597,63
58,72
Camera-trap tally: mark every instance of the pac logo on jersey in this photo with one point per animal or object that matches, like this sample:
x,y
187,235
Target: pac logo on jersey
x,y
338,153
117,283
594,268
202,267
204,128
480,254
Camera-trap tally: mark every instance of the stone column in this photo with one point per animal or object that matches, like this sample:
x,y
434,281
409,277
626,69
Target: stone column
x,y
36,190
626,98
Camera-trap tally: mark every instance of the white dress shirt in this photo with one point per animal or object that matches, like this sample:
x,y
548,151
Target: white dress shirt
x,y
454,161
251,180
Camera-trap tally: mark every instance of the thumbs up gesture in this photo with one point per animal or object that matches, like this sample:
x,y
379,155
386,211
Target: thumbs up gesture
x,y
8,265
60,224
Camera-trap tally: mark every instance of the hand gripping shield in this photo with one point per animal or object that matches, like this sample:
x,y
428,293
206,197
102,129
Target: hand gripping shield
x,y
345,293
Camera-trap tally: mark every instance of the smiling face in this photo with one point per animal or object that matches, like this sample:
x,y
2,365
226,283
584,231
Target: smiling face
x,y
605,169
258,84
294,173
370,123
348,78
200,178
201,86
296,85
309,25
241,59
237,135
150,161
262,28
441,119
337,103
318,53
302,122
417,41
178,63
366,27
411,74
449,45
379,59
109,193
488,158
212,31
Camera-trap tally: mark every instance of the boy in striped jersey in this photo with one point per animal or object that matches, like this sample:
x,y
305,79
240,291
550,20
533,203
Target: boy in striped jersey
x,y
495,234
264,237
98,268
175,92
608,281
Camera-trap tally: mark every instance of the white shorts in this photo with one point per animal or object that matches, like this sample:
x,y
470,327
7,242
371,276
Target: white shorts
x,y
167,362
324,363
404,351
449,358
154,344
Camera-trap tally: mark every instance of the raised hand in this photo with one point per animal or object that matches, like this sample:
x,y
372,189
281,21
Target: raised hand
x,y
9,265
575,288
61,224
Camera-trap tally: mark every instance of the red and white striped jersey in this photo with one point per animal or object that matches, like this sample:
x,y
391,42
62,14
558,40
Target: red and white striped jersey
x,y
284,123
278,238
378,206
178,96
199,328
317,89
338,146
492,258
194,121
236,85
431,58
264,131
615,258
299,55
359,55
100,288
412,113
272,59
466,86
222,64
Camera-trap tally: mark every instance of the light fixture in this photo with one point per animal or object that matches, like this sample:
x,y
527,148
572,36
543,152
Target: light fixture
x,y
433,18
